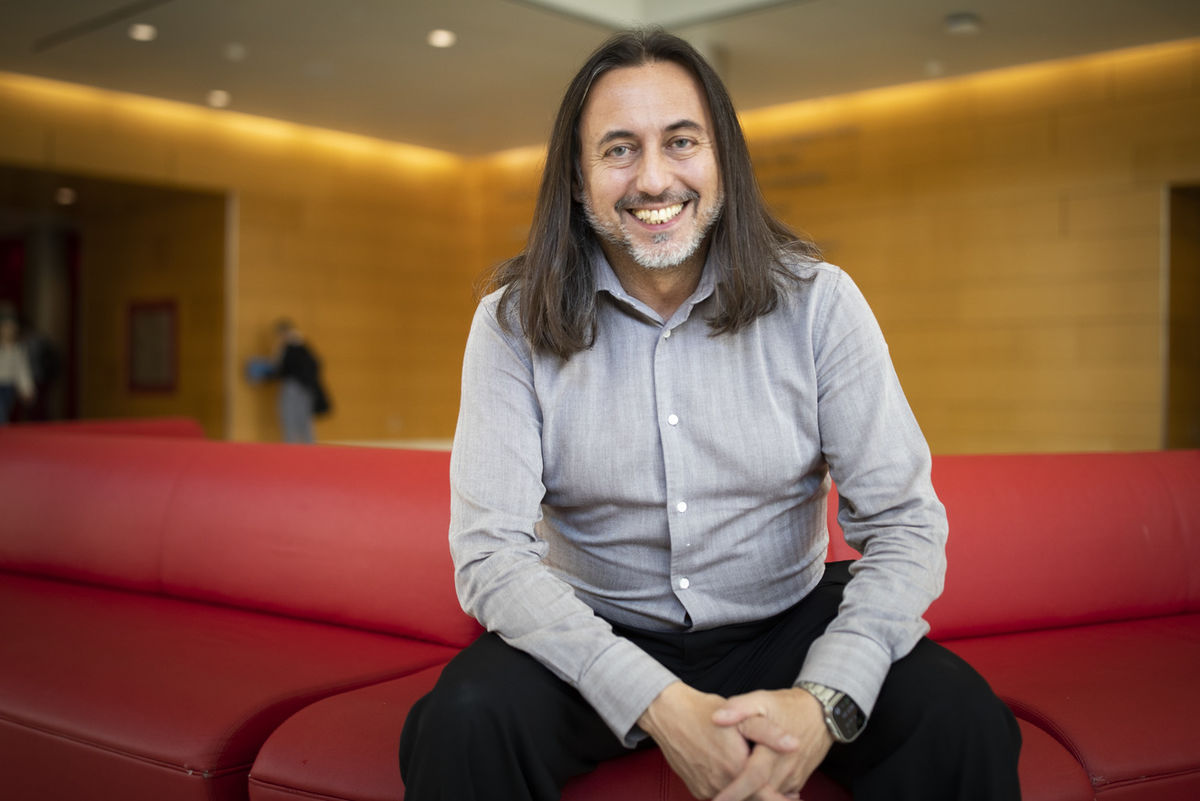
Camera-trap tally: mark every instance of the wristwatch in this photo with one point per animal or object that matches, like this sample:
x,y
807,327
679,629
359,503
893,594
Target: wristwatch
x,y
843,717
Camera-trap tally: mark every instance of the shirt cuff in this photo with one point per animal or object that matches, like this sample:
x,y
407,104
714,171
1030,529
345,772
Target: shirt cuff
x,y
848,663
620,684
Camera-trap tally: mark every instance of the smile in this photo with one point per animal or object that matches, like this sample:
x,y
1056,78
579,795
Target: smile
x,y
658,216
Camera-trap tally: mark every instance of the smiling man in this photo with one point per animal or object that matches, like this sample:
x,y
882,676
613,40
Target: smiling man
x,y
654,401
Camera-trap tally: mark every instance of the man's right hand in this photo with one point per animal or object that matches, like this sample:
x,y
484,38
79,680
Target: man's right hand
x,y
706,756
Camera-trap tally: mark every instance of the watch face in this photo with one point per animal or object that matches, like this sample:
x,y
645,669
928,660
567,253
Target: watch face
x,y
847,717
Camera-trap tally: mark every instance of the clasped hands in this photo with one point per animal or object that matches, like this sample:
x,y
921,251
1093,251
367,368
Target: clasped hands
x,y
761,746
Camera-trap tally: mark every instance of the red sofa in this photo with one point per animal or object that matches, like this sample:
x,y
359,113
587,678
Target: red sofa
x,y
188,619
130,427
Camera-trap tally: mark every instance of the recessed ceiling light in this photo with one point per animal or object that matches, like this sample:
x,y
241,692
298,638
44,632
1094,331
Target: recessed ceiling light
x,y
64,196
441,37
219,98
141,32
963,23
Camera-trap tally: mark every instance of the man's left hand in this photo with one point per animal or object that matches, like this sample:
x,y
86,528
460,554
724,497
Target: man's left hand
x,y
771,775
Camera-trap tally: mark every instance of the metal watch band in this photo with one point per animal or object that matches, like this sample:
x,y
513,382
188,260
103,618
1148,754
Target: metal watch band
x,y
829,699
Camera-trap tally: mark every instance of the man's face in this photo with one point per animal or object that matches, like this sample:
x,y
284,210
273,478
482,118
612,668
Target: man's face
x,y
650,184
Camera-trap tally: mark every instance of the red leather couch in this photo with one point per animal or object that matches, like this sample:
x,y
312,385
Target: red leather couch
x,y
184,619
131,427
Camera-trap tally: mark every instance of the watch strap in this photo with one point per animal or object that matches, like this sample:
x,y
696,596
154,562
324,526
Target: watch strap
x,y
843,717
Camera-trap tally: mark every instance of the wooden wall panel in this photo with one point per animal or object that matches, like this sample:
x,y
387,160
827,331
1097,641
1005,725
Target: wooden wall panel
x,y
168,248
1007,229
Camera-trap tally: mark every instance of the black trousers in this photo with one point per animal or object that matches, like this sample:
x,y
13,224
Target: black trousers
x,y
499,725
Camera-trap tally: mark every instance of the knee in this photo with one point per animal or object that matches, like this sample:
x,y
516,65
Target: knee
x,y
459,709
949,697
966,711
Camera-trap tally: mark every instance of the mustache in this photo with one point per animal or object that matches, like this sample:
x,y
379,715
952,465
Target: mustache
x,y
642,200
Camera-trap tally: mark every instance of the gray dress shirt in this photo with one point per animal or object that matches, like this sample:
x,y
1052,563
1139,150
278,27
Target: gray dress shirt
x,y
673,480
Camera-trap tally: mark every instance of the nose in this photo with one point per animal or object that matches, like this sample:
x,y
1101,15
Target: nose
x,y
654,173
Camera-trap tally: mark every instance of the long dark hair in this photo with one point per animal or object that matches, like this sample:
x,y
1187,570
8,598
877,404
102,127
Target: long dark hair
x,y
552,280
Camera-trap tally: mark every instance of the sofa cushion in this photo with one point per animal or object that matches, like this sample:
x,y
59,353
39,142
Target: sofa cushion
x,y
86,508
1120,696
344,748
170,693
352,536
1050,540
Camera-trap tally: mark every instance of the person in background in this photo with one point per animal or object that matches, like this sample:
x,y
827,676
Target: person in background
x,y
16,379
301,393
654,402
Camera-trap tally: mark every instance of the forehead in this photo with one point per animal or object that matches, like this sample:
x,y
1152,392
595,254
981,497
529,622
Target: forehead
x,y
642,99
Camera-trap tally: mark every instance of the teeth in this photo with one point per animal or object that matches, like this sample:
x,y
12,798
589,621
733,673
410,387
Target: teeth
x,y
657,216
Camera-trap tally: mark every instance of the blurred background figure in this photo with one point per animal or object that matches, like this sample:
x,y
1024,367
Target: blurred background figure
x,y
45,367
296,367
16,379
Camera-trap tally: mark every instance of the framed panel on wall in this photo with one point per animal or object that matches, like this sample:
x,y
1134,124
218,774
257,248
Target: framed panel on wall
x,y
153,348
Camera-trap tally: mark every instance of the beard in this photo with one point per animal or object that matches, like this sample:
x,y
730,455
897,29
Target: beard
x,y
666,250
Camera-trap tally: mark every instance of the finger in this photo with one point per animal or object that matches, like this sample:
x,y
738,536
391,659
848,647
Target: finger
x,y
765,731
738,708
753,778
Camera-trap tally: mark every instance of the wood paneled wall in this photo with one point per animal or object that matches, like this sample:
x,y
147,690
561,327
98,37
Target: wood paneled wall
x,y
168,248
370,247
1008,229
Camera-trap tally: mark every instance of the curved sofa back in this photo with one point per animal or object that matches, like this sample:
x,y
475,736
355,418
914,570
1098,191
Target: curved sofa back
x,y
357,536
122,427
1050,540
353,536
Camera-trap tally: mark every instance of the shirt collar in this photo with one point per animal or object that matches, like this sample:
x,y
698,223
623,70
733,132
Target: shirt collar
x,y
607,281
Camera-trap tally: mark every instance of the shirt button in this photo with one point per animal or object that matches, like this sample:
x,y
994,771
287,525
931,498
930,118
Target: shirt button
x,y
673,419
684,584
681,506
667,334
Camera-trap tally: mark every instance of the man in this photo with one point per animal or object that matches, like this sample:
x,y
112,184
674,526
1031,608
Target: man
x,y
301,392
652,407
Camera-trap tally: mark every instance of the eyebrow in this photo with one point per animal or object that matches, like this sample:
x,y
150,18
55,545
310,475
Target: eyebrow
x,y
675,126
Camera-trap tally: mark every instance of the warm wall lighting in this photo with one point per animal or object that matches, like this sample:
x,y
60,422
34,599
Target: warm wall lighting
x,y
141,32
441,38
86,103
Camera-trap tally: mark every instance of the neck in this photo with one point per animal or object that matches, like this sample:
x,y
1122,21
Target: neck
x,y
662,289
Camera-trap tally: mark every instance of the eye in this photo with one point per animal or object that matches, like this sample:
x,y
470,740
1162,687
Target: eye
x,y
619,152
682,143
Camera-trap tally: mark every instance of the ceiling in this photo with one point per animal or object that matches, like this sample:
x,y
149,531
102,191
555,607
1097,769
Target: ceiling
x,y
363,66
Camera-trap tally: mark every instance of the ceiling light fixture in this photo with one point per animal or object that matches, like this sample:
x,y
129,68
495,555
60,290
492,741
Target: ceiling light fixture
x,y
219,98
141,32
440,37
962,23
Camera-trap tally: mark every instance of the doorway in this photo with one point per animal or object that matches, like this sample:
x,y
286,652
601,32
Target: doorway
x,y
1183,320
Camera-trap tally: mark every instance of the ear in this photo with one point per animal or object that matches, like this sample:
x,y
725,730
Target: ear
x,y
577,184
